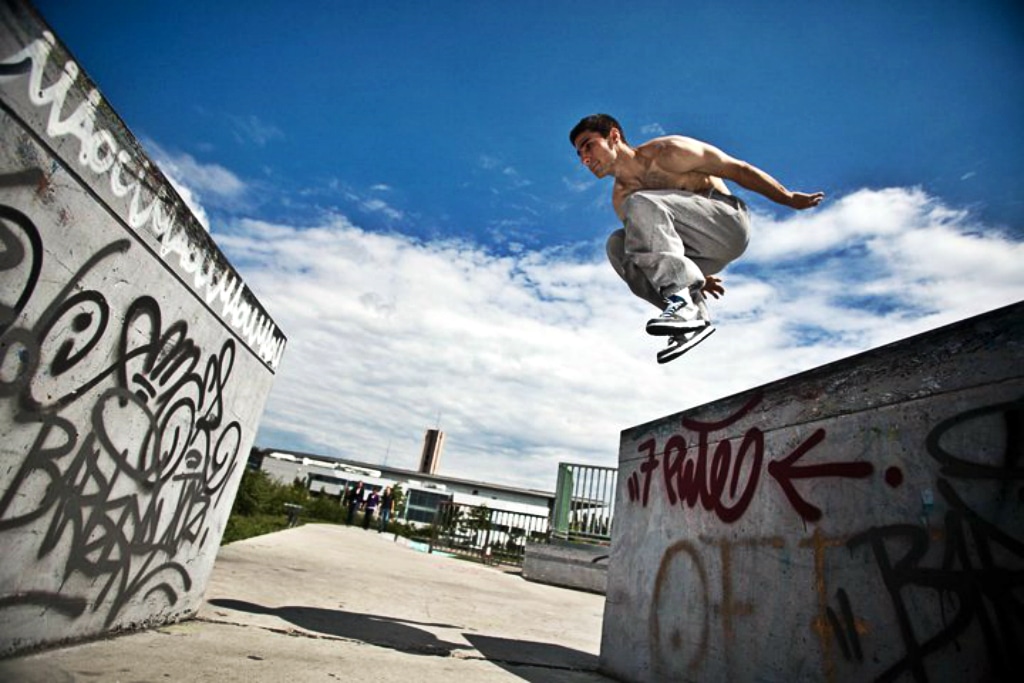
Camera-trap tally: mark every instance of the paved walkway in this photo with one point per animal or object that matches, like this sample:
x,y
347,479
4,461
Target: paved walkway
x,y
329,603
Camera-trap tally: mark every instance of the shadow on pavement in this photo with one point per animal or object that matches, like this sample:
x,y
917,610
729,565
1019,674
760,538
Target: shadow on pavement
x,y
395,634
532,661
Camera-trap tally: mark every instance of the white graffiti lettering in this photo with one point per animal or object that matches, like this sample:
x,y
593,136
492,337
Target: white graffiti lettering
x,y
100,152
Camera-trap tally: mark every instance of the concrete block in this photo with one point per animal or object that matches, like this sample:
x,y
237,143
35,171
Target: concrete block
x,y
583,566
134,364
863,521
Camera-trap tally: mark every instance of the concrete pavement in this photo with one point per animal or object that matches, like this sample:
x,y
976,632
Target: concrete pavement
x,y
329,603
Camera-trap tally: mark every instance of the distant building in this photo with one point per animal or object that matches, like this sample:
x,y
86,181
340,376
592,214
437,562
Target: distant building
x,y
433,444
424,492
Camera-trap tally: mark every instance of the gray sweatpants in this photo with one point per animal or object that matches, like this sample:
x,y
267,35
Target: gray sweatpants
x,y
673,238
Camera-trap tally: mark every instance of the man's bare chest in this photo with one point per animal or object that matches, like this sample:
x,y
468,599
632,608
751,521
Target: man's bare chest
x,y
656,179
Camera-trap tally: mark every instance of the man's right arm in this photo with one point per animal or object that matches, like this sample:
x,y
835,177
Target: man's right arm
x,y
693,155
753,178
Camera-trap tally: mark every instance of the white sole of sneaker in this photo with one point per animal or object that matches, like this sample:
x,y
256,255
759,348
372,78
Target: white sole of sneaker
x,y
670,328
674,352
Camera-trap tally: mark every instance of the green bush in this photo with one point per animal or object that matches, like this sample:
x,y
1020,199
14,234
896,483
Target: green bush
x,y
294,494
259,506
240,528
326,509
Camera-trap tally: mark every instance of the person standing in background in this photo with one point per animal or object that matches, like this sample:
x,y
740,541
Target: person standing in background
x,y
354,500
387,506
372,501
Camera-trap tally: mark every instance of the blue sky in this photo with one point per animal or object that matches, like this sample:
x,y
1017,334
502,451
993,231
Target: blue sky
x,y
395,183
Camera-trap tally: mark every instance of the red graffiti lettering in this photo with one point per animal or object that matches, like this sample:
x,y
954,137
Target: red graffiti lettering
x,y
724,481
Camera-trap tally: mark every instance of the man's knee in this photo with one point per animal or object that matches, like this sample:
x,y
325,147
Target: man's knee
x,y
615,248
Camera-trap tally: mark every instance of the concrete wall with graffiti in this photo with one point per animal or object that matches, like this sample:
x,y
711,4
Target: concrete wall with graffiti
x,y
134,364
860,522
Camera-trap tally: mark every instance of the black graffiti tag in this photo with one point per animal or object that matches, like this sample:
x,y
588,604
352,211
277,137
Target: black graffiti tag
x,y
129,447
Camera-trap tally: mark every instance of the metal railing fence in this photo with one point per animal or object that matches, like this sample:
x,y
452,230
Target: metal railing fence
x,y
492,536
584,502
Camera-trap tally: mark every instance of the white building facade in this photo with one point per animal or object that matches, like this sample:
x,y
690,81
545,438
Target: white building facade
x,y
424,493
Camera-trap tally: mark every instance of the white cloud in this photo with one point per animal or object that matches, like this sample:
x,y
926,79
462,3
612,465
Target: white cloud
x,y
576,185
652,129
541,357
195,182
367,202
510,173
252,129
375,205
205,179
516,180
191,201
931,264
854,219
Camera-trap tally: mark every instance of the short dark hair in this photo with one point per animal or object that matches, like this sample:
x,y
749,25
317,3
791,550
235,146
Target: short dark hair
x,y
597,123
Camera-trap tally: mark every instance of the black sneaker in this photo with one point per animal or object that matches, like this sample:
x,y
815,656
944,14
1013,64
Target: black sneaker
x,y
680,344
681,315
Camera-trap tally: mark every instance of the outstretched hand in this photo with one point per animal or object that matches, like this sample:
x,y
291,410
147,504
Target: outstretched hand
x,y
713,286
800,201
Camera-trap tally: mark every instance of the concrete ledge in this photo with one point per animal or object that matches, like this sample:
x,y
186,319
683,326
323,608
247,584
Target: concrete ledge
x,y
134,365
583,566
861,521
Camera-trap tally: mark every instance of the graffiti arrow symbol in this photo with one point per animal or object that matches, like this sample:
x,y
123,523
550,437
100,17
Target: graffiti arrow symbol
x,y
786,470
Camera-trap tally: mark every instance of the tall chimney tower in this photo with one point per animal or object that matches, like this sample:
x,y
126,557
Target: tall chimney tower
x,y
433,444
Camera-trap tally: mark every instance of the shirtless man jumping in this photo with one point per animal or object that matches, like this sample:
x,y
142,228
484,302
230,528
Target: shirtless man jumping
x,y
681,223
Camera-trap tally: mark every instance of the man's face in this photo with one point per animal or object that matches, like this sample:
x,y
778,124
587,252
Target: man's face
x,y
595,152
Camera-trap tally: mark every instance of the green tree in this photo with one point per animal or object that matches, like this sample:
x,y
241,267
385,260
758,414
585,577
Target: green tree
x,y
253,492
398,494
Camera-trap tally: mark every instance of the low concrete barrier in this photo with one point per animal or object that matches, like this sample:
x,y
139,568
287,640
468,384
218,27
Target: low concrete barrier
x,y
863,521
134,364
583,566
